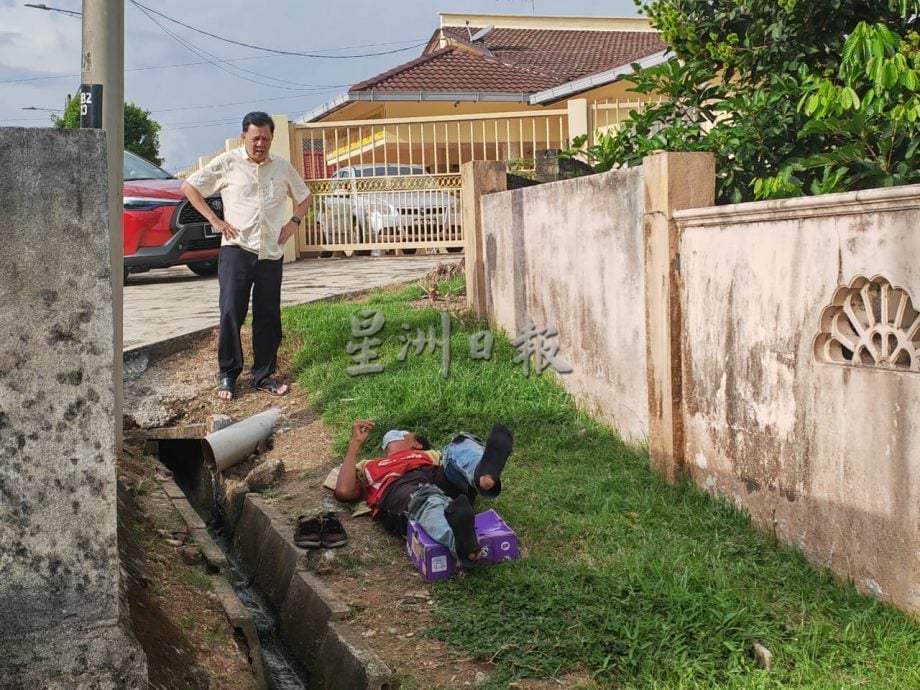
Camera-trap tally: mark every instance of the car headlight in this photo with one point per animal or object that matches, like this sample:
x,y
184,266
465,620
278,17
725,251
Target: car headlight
x,y
145,203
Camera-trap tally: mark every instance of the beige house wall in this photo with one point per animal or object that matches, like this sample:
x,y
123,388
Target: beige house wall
x,y
569,255
825,454
366,110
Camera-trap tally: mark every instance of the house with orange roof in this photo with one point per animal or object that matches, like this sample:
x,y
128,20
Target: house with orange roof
x,y
483,63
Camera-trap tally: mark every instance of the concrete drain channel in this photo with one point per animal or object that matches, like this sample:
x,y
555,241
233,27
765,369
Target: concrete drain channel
x,y
294,627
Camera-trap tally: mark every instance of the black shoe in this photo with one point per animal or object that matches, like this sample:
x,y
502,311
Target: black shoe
x,y
462,520
308,534
333,534
498,448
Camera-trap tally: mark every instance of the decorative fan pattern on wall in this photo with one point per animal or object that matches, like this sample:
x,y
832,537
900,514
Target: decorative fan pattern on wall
x,y
870,323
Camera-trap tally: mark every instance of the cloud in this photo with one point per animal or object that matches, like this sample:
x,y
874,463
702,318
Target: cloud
x,y
38,44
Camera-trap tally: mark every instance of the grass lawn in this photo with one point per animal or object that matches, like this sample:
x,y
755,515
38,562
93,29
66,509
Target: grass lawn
x,y
626,580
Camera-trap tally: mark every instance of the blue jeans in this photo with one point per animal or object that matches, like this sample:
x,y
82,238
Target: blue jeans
x,y
460,460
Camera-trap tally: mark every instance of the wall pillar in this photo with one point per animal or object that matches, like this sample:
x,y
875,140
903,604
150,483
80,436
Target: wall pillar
x,y
59,419
281,147
477,178
673,181
580,120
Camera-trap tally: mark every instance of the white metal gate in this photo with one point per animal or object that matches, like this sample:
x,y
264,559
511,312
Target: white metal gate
x,y
395,184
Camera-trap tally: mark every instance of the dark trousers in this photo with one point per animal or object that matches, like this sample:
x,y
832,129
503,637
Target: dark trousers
x,y
240,272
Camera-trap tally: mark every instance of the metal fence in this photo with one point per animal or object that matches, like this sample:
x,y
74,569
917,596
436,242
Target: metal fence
x,y
395,184
367,209
608,115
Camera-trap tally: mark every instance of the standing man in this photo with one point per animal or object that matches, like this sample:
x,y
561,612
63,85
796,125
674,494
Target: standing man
x,y
254,186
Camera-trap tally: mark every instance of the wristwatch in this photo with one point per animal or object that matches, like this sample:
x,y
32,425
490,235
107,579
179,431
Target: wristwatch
x,y
295,220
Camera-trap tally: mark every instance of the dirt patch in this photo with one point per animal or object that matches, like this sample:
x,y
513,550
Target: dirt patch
x,y
391,605
176,617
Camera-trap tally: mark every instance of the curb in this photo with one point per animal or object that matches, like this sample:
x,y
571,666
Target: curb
x,y
236,612
164,348
311,618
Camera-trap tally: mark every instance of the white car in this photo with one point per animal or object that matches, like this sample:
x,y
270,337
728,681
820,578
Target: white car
x,y
388,202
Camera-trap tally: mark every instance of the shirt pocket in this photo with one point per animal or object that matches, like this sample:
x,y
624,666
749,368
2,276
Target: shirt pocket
x,y
275,190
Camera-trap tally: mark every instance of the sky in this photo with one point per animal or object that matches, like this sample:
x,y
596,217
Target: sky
x,y
198,87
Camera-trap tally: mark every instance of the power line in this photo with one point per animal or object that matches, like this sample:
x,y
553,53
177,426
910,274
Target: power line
x,y
170,125
272,50
222,105
212,124
215,61
72,13
222,121
178,64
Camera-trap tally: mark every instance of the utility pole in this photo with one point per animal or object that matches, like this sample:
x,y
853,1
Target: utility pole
x,y
103,63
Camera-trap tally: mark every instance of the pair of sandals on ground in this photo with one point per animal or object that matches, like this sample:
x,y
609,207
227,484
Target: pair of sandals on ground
x,y
324,531
226,389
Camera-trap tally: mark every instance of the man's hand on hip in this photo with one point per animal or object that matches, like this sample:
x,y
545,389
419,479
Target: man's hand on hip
x,y
287,232
225,229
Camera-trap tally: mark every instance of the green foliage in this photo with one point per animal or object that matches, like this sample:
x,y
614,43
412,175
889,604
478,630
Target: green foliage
x,y
866,115
142,134
740,70
625,581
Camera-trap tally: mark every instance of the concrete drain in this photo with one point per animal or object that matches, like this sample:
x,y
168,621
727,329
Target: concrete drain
x,y
295,627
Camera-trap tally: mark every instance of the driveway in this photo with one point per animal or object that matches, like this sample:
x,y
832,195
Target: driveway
x,y
167,303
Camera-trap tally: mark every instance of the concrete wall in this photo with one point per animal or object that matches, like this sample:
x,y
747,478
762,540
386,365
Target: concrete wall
x,y
570,255
828,453
770,351
59,569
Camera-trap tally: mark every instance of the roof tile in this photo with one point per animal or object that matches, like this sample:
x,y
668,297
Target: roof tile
x,y
453,69
515,60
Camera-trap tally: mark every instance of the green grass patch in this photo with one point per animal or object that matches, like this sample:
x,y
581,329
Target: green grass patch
x,y
197,578
626,579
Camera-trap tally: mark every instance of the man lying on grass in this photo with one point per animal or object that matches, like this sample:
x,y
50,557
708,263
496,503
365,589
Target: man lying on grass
x,y
432,488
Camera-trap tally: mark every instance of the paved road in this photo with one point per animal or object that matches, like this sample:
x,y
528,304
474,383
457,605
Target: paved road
x,y
167,303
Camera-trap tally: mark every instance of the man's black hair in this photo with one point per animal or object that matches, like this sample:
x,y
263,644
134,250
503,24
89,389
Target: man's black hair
x,y
259,119
423,442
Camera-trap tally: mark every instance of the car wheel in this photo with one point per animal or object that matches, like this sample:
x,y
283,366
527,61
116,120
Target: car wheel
x,y
455,250
124,280
409,251
325,254
204,268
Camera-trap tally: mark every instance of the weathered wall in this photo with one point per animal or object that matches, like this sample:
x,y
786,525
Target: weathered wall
x,y
827,452
570,255
59,570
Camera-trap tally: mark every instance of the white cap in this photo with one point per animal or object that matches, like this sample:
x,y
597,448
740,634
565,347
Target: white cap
x,y
392,435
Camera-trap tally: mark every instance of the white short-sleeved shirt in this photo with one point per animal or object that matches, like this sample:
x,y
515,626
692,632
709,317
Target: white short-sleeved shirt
x,y
254,196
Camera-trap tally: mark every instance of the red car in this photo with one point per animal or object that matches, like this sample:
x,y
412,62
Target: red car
x,y
161,228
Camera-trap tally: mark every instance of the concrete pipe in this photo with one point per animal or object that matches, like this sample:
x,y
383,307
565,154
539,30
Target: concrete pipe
x,y
233,444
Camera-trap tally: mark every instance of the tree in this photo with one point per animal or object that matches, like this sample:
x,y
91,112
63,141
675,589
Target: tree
x,y
742,84
141,132
868,114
